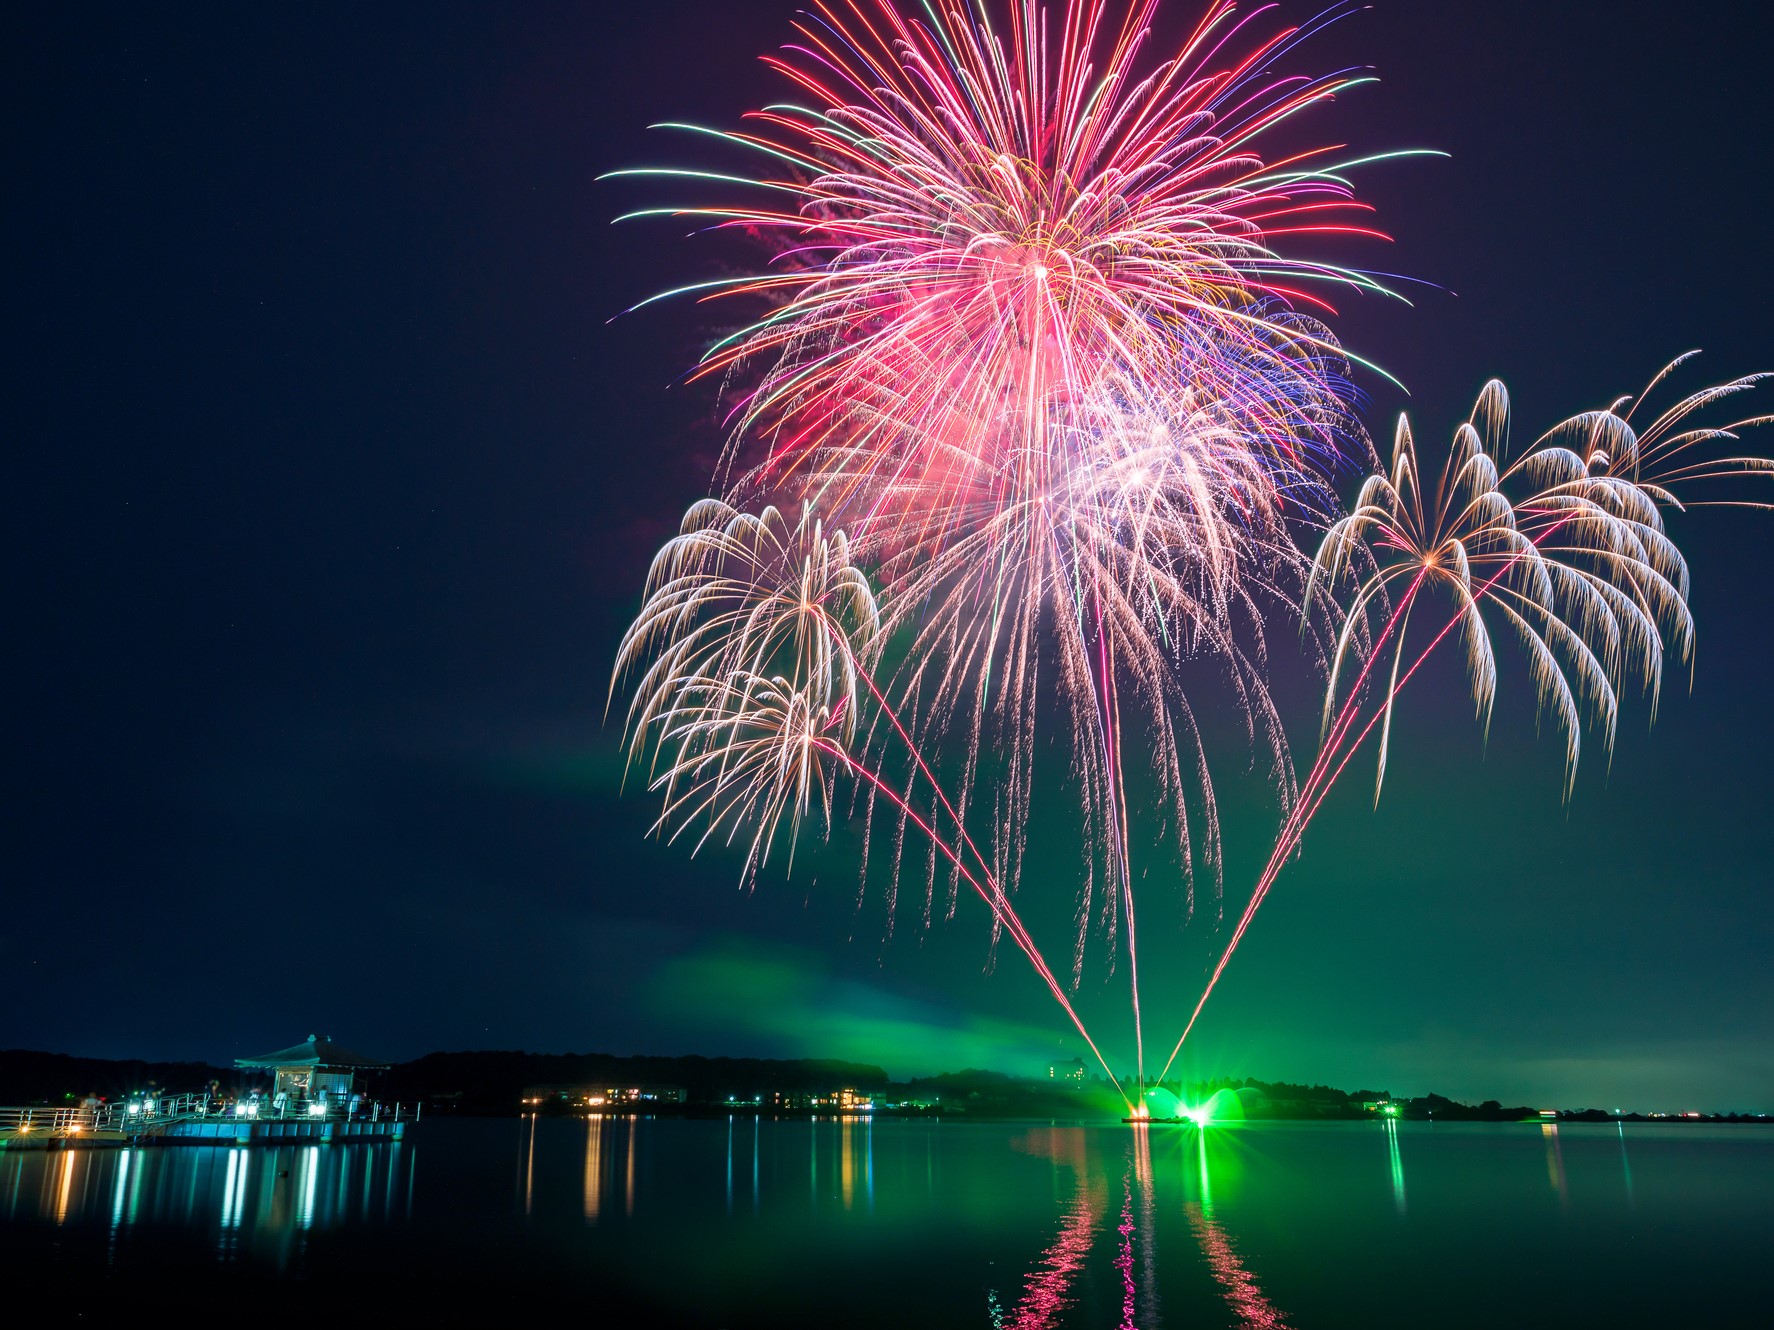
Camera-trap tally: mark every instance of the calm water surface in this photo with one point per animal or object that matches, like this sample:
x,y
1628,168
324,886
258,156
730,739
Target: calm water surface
x,y
923,1223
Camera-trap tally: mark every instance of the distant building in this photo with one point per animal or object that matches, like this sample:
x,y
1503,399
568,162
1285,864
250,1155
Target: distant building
x,y
1068,1073
604,1095
846,1100
630,1095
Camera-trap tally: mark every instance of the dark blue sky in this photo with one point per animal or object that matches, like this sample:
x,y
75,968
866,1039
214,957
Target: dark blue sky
x,y
332,485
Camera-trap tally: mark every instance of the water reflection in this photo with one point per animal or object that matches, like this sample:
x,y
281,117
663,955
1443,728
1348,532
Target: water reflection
x,y
65,1188
231,1188
1114,1197
603,1155
1555,1162
847,1164
594,1168
1046,1290
736,1133
911,1222
1238,1285
118,1191
530,1169
856,1160
1397,1165
237,1198
1124,1256
310,1171
1051,1288
628,1186
1148,1226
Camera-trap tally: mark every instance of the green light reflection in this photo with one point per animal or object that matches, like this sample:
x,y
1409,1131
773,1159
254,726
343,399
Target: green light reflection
x,y
1397,1165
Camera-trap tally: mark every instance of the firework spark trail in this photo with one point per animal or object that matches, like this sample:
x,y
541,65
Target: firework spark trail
x,y
923,768
1603,502
1118,821
994,899
1004,914
946,172
1098,724
1322,777
746,648
767,774
1312,795
1294,826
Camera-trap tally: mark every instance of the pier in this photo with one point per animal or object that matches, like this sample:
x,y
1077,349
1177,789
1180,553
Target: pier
x,y
314,1098
200,1120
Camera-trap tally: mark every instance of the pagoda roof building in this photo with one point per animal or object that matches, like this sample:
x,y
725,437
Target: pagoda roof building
x,y
315,1070
319,1052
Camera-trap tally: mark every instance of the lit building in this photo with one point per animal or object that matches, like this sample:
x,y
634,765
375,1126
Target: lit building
x,y
604,1095
1071,1073
845,1100
627,1096
313,1070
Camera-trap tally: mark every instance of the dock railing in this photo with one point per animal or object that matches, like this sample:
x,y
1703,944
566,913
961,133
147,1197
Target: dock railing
x,y
49,1123
145,1114
149,1115
328,1110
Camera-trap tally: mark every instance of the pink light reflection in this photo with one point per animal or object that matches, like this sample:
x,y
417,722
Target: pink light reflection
x,y
1124,1257
1046,1289
1242,1294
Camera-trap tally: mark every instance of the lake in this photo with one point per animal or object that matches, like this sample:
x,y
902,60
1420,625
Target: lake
x,y
919,1222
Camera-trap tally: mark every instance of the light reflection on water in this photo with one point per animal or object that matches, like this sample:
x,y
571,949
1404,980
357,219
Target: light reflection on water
x,y
1048,1290
1036,1227
1045,1288
275,1192
1397,1166
1555,1162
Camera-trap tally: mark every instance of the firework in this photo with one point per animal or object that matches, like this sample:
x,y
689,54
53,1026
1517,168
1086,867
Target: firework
x,y
736,591
971,221
1618,474
749,651
1034,337
746,648
1465,539
1578,567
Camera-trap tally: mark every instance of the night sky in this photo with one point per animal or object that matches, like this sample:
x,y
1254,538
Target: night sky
x,y
332,483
